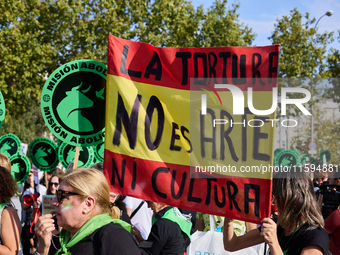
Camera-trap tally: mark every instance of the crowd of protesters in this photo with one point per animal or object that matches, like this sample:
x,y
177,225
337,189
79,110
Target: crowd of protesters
x,y
89,219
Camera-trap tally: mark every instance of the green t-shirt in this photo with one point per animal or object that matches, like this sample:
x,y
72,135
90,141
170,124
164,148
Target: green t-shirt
x,y
239,226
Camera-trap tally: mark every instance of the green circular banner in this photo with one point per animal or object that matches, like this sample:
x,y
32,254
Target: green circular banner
x,y
313,161
66,154
99,152
21,167
2,109
10,145
287,158
327,154
278,150
304,159
296,151
73,102
43,153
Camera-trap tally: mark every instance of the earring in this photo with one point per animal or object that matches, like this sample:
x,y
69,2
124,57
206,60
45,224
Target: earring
x,y
84,211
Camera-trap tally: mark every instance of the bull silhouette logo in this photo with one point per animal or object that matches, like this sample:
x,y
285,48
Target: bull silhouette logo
x,y
6,147
40,155
15,168
71,156
101,149
70,109
20,167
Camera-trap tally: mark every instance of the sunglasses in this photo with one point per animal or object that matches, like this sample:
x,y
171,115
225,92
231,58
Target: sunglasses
x,y
61,194
54,183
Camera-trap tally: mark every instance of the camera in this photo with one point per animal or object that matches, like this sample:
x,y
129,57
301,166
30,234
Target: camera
x,y
331,198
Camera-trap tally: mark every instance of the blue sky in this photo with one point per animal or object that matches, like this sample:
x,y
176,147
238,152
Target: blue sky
x,y
261,15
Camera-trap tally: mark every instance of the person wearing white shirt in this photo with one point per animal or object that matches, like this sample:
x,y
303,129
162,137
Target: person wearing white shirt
x,y
142,219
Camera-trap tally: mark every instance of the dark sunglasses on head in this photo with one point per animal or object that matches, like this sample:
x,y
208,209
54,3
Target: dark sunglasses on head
x,y
54,183
61,194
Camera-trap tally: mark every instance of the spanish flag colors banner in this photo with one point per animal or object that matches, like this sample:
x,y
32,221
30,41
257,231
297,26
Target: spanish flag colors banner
x,y
181,130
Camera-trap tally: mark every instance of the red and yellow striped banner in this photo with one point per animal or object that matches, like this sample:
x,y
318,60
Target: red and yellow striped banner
x,y
160,147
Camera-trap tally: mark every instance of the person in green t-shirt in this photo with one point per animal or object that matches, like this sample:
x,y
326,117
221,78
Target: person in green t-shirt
x,y
203,224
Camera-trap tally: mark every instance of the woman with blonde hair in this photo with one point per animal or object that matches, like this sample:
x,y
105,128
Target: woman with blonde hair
x,y
299,229
10,227
4,162
84,211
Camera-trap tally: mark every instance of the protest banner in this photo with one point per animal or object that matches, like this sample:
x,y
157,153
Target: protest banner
x,y
10,145
20,167
159,144
24,148
73,102
47,206
2,109
67,154
43,153
99,152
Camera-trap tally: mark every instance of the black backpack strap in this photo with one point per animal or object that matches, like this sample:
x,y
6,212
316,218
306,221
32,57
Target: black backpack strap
x,y
136,210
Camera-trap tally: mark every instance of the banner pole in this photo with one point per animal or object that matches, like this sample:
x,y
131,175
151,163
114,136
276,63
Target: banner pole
x,y
76,157
46,179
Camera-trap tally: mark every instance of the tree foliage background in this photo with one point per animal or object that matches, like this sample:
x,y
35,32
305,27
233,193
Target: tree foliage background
x,y
37,36
326,137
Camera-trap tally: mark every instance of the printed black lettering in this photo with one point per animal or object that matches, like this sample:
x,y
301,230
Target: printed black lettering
x,y
134,175
123,69
154,103
174,137
205,139
225,135
154,180
50,86
244,134
242,79
257,136
74,66
209,180
255,66
184,56
130,124
154,71
96,139
225,56
217,202
256,200
203,69
212,65
183,131
57,76
272,69
99,69
181,187
232,195
115,172
47,111
191,198
63,134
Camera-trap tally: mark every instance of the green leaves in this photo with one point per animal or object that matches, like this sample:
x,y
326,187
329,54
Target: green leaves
x,y
302,48
37,36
